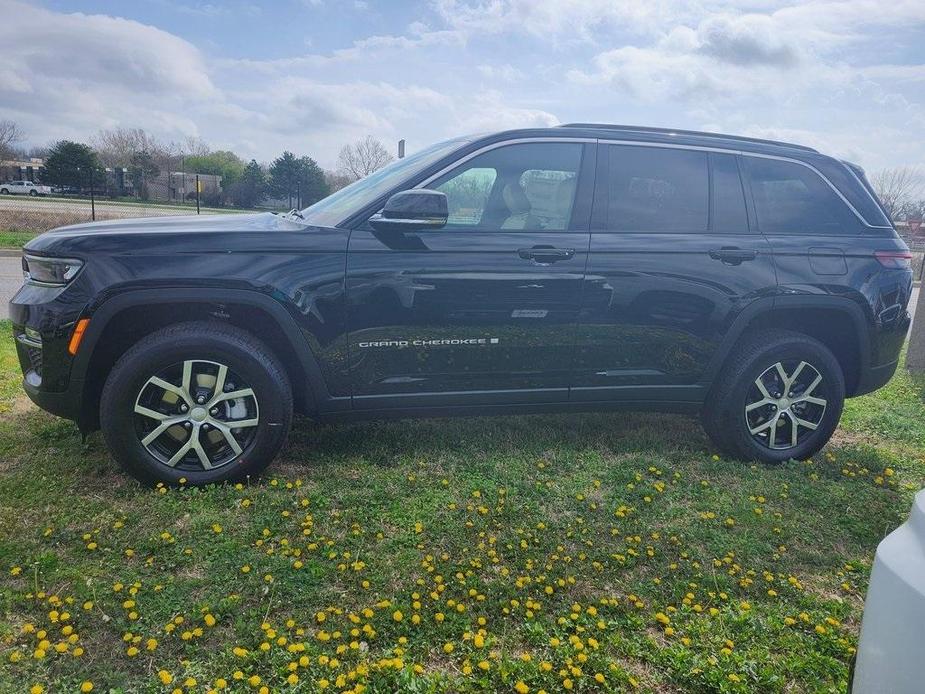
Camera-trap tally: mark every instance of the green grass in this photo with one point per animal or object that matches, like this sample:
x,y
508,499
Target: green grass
x,y
554,547
15,239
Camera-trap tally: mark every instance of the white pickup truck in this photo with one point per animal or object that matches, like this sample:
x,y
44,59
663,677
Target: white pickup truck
x,y
24,188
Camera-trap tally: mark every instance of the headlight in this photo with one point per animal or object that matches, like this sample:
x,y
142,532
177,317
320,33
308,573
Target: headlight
x,y
49,272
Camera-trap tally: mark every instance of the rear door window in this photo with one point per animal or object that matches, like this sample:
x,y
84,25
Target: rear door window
x,y
657,189
793,199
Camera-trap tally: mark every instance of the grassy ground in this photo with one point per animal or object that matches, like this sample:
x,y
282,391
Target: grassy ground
x,y
15,239
586,552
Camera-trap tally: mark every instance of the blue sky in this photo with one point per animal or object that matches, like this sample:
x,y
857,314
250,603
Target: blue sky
x,y
310,75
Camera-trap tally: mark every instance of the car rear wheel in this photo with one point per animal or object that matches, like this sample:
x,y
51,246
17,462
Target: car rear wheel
x,y
779,397
33,193
197,401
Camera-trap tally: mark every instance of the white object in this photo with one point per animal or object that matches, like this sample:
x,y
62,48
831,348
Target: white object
x,y
24,188
891,652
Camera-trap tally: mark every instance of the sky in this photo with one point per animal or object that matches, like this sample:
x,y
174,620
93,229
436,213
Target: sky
x,y
847,77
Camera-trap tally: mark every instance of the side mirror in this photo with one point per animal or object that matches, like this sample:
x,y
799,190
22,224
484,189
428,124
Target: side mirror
x,y
408,210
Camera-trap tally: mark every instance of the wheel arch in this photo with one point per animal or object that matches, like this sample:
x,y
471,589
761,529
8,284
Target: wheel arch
x,y
837,322
124,319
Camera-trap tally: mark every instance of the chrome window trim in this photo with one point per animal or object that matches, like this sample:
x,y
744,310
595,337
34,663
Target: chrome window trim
x,y
864,187
664,145
758,155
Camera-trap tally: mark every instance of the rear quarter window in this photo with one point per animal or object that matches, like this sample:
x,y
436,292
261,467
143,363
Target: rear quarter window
x,y
793,199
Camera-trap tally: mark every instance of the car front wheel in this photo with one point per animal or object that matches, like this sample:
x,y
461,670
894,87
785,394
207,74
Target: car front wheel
x,y
780,396
202,402
4,191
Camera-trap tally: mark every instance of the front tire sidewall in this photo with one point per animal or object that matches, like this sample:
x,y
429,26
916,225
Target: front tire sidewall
x,y
832,380
130,375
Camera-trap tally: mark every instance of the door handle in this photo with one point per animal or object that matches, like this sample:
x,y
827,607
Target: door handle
x,y
733,256
545,254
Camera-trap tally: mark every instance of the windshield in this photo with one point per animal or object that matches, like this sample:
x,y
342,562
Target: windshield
x,y
338,206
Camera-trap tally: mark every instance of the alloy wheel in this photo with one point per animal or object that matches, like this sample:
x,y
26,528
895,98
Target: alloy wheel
x,y
196,415
785,404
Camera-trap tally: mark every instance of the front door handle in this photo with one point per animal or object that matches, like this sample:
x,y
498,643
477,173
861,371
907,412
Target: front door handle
x,y
733,256
546,254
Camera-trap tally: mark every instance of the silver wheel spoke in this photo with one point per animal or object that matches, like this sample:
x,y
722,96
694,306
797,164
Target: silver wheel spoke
x,y
169,387
794,430
153,414
785,382
764,425
220,379
812,386
229,437
242,423
795,375
814,400
760,403
200,451
160,429
804,423
762,388
181,451
187,378
772,435
233,395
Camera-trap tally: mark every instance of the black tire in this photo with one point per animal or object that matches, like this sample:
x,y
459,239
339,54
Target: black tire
x,y
200,343
33,193
4,191
724,415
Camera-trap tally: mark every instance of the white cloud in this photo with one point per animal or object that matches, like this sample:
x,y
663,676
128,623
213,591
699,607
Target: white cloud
x,y
846,76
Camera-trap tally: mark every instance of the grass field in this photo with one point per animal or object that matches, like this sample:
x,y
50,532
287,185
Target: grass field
x,y
578,552
15,239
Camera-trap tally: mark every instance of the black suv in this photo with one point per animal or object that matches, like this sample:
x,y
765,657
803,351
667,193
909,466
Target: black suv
x,y
582,267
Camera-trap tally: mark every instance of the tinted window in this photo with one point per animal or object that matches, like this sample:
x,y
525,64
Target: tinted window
x,y
657,189
728,214
791,198
524,186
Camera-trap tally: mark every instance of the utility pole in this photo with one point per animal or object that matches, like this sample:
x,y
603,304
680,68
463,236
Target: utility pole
x,y
198,190
401,148
92,196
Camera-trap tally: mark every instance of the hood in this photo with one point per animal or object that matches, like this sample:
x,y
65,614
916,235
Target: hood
x,y
99,233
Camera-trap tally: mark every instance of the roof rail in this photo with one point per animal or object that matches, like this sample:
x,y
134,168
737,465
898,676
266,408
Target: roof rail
x,y
674,131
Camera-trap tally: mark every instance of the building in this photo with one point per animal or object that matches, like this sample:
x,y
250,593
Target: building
x,y
179,186
22,170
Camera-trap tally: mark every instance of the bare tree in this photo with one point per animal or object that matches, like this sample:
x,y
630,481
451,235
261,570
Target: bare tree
x,y
194,146
10,134
363,158
897,188
116,147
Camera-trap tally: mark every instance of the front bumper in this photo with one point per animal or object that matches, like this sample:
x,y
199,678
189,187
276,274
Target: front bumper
x,y
43,320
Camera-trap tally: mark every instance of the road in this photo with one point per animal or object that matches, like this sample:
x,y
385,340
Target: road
x,y
11,278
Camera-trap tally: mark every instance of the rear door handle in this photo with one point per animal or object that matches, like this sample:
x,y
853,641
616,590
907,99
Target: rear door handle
x,y
733,256
546,254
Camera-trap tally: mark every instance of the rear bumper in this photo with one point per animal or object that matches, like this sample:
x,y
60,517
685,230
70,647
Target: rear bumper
x,y
874,378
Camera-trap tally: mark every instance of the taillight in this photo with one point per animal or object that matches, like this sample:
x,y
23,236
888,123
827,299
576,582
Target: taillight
x,y
895,260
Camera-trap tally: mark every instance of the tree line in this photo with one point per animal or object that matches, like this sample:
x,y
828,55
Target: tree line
x,y
296,180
